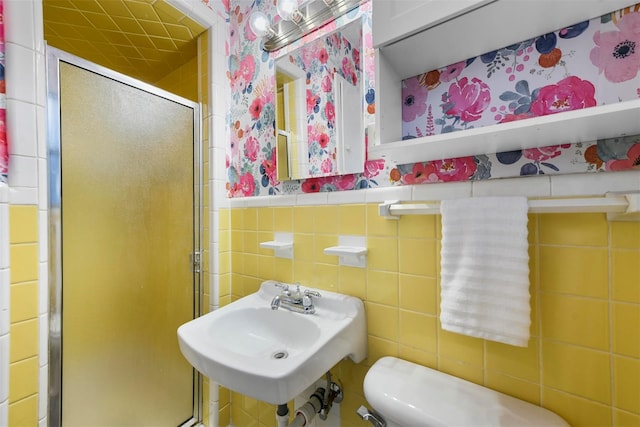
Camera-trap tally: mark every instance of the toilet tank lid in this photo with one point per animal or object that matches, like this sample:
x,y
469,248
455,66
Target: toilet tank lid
x,y
412,395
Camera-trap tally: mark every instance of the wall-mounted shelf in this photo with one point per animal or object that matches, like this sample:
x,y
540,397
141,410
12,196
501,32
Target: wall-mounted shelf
x,y
351,250
570,127
282,245
459,23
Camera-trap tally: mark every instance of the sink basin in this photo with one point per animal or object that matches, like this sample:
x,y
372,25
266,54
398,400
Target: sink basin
x,y
274,355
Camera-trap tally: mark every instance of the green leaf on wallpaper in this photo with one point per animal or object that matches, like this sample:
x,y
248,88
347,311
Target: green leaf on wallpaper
x,y
509,96
232,175
522,87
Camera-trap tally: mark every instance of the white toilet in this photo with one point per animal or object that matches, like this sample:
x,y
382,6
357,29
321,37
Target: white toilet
x,y
404,394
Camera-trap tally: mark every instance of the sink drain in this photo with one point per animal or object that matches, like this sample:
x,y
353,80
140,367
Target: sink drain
x,y
280,355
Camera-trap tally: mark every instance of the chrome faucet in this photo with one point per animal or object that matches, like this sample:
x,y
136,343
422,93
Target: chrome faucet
x,y
300,302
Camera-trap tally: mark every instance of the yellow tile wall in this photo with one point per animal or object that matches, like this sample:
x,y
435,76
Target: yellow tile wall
x,y
583,358
24,331
182,81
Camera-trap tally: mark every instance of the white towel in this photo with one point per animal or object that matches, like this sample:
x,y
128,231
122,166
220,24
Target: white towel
x,y
485,268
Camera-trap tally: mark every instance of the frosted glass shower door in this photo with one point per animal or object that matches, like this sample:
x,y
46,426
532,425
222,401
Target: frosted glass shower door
x,y
127,203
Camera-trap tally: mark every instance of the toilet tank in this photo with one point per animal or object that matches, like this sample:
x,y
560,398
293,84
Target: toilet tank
x,y
409,395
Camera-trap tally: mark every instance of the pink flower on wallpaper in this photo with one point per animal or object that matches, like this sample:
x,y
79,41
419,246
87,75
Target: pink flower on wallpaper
x,y
237,82
326,166
323,56
544,153
312,100
420,173
631,162
344,182
452,71
326,84
308,54
340,182
570,93
256,108
234,143
372,168
270,167
330,111
458,169
312,185
247,68
414,99
251,148
246,186
335,40
468,99
323,140
348,71
617,53
356,57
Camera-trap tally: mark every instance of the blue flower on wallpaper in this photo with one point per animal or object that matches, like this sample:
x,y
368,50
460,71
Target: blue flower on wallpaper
x,y
539,158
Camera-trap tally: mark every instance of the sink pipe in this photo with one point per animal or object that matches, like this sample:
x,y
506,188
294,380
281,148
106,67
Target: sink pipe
x,y
304,414
320,402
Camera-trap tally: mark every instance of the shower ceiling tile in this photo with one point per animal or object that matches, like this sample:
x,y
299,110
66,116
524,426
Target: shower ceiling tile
x,y
128,25
145,39
151,54
142,11
154,28
65,16
179,32
67,32
89,6
101,21
168,13
140,41
92,35
130,52
116,37
107,49
115,8
163,43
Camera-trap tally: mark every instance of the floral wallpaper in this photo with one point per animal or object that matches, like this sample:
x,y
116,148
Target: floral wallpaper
x,y
321,60
587,64
4,151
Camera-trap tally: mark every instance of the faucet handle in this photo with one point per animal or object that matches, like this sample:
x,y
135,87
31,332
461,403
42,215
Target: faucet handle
x,y
284,287
297,293
309,293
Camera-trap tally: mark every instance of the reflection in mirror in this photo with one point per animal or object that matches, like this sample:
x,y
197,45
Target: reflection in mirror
x,y
319,116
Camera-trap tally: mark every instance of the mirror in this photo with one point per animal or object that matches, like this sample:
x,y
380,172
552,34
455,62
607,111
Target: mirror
x,y
319,116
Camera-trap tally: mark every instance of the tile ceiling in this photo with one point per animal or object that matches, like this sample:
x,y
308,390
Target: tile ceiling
x,y
145,39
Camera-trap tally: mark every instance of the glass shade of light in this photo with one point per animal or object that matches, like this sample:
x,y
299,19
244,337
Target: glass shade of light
x,y
288,10
260,24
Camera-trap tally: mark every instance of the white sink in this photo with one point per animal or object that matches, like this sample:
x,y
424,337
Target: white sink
x,y
274,355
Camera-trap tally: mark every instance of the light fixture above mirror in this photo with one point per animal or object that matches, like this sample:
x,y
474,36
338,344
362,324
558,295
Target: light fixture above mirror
x,y
297,20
